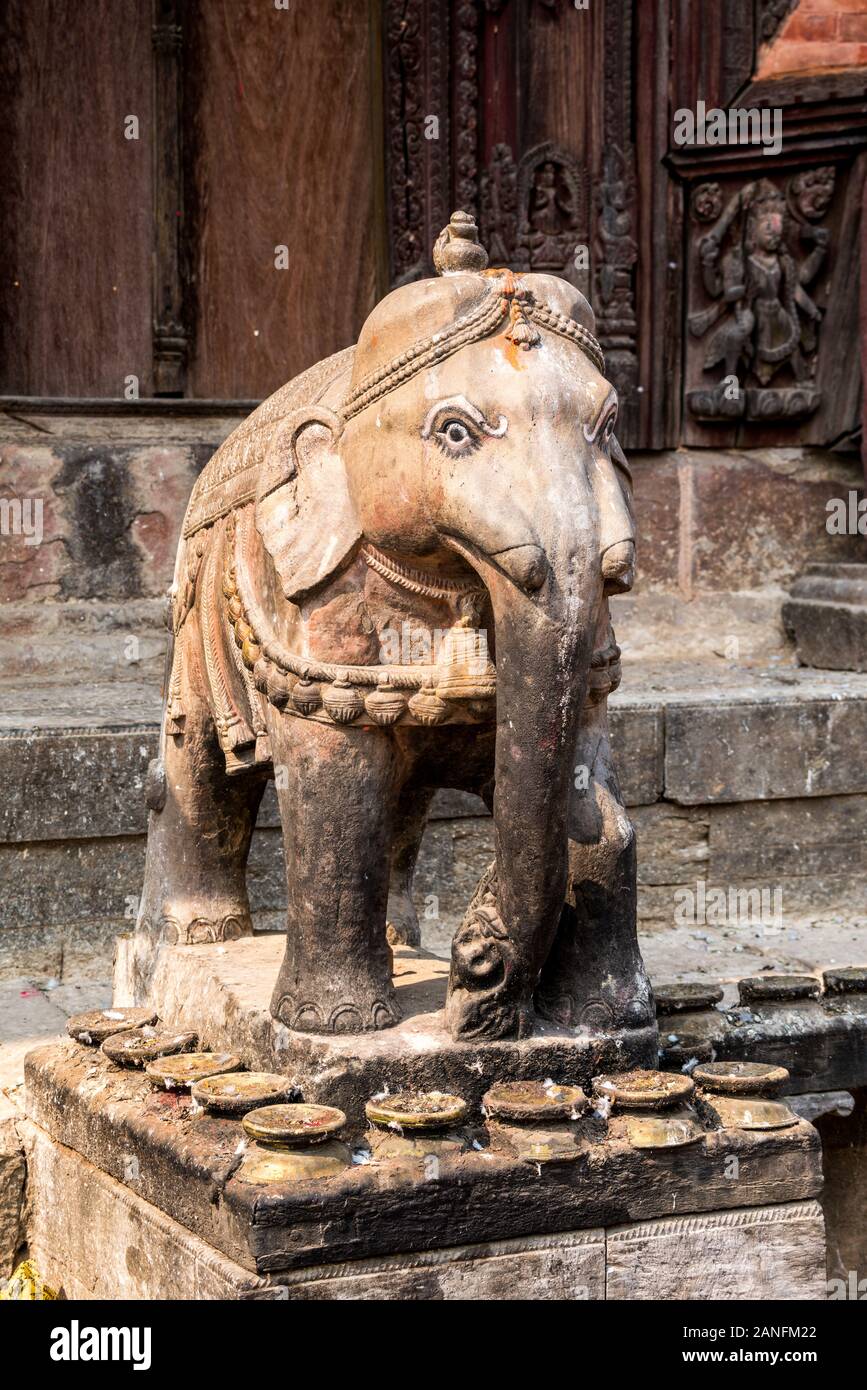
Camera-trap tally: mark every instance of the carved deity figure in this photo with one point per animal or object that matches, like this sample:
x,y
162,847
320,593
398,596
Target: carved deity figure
x,y
763,321
618,249
549,232
394,577
534,213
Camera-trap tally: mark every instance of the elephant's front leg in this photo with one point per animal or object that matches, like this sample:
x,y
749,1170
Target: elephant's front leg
x,y
594,975
336,788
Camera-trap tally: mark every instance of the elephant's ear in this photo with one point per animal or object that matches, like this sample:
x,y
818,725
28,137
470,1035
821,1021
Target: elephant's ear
x,y
304,512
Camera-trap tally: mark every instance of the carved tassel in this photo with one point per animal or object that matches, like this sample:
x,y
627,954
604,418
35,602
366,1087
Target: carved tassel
x,y
521,332
175,713
237,734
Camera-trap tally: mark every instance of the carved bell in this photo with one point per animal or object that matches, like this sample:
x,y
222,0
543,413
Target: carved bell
x,y
466,670
261,672
306,696
251,652
277,688
385,704
426,705
342,701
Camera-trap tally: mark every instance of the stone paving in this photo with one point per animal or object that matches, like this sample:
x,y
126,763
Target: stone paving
x,y
31,1014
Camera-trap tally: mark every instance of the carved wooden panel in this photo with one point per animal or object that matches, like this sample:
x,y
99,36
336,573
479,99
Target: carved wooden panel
x,y
171,341
615,243
769,253
560,137
762,260
416,71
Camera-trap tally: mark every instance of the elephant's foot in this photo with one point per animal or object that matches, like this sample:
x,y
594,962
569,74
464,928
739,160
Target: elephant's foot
x,y
196,924
594,977
362,1004
484,999
402,925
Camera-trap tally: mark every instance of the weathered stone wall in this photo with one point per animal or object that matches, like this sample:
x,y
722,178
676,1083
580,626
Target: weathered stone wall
x,y
737,520
113,493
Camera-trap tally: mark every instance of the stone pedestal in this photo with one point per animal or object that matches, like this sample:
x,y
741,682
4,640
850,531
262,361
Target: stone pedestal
x,y
93,1238
134,1193
223,993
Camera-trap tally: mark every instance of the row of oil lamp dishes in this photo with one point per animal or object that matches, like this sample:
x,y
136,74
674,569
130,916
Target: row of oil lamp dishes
x,y
531,1120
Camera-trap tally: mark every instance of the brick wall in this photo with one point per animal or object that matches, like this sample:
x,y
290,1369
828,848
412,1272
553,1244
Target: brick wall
x,y
817,35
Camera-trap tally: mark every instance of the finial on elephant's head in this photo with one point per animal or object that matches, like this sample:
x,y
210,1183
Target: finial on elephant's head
x,y
457,249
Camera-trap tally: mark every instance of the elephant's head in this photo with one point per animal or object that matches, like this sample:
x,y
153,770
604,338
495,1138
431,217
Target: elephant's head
x,y
479,422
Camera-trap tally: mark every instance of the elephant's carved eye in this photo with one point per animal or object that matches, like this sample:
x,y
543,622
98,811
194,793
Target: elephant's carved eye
x,y
455,438
459,427
603,429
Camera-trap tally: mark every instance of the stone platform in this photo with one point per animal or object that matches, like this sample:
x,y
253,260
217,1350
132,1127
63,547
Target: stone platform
x,y
223,994
820,1037
134,1193
93,1238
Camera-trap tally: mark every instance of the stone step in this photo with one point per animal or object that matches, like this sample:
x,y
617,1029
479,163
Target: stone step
x,y
826,614
87,642
73,758
752,777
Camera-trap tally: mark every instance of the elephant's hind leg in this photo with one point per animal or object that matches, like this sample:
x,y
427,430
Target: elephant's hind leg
x,y
200,826
337,788
410,821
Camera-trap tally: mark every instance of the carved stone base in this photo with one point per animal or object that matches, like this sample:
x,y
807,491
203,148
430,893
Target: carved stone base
x,y
223,994
134,1193
93,1238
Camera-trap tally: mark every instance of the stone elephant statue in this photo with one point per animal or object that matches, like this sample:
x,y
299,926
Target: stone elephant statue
x,y
393,577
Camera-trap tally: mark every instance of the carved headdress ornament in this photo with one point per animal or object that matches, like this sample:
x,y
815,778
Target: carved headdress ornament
x,y
458,253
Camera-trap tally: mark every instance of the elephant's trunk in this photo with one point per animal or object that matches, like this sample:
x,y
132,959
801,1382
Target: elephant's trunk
x,y
543,652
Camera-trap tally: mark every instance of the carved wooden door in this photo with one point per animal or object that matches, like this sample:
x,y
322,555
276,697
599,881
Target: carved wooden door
x,y
553,122
519,111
